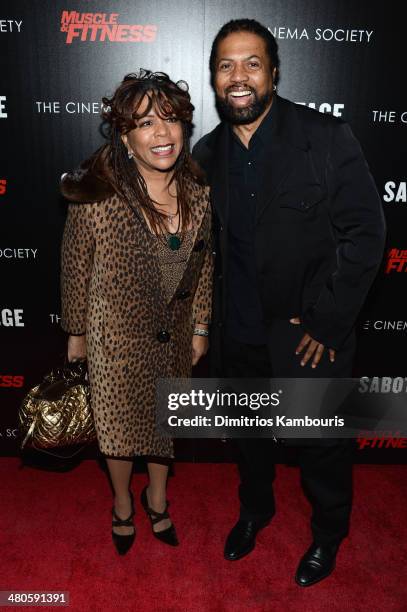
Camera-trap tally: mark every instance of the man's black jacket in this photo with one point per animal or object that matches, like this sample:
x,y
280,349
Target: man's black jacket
x,y
320,229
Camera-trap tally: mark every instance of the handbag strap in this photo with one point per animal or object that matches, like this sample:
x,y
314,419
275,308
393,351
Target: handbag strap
x,y
29,432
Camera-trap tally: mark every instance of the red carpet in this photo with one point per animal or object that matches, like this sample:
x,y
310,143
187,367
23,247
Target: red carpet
x,y
55,535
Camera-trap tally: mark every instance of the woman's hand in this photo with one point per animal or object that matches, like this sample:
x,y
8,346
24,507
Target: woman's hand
x,y
76,348
200,345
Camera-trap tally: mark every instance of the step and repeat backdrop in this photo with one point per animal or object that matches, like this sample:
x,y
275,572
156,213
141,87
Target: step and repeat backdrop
x,y
60,57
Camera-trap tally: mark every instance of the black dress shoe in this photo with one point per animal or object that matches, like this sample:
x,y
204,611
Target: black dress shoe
x,y
242,539
317,563
123,543
169,535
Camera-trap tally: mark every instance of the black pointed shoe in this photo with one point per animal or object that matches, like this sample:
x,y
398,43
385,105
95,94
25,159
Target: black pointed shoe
x,y
123,543
169,535
242,538
317,563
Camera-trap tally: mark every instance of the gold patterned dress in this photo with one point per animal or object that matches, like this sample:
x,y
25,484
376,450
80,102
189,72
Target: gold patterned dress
x,y
172,263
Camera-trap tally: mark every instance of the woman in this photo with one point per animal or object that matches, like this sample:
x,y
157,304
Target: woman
x,y
136,281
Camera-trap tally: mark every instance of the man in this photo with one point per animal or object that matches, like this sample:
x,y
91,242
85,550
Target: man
x,y
300,235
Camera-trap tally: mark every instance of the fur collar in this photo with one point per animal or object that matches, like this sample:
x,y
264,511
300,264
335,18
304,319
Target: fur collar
x,y
92,181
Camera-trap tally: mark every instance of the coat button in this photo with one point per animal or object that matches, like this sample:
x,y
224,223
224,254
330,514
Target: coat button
x,y
163,336
199,245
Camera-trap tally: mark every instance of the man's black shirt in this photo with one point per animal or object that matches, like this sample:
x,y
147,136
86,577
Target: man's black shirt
x,y
244,318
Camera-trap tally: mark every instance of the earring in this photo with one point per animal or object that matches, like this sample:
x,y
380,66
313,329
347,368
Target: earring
x,y
274,87
130,154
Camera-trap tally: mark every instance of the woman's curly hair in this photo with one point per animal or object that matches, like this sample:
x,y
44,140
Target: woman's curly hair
x,y
121,114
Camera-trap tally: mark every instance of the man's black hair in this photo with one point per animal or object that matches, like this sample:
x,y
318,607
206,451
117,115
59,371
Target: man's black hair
x,y
245,25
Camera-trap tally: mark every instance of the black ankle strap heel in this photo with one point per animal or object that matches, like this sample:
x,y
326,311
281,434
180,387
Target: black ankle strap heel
x,y
169,535
123,543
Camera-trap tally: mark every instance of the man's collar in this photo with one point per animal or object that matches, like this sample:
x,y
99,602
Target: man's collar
x,y
264,128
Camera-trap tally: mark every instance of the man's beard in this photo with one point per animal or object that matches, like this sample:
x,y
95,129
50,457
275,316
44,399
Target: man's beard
x,y
248,114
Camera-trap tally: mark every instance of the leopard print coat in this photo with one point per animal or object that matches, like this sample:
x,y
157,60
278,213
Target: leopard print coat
x,y
113,291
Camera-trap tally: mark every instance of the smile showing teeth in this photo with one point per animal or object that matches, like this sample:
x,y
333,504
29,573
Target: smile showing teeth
x,y
239,94
162,149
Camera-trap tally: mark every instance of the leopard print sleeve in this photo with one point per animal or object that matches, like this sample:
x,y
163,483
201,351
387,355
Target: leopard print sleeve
x,y
201,307
78,248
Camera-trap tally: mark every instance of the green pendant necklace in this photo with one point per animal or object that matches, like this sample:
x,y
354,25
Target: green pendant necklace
x,y
173,240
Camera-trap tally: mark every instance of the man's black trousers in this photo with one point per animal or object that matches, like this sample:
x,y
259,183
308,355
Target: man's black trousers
x,y
325,465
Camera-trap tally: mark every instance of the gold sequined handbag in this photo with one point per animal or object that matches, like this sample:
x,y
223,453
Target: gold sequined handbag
x,y
57,413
